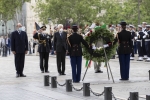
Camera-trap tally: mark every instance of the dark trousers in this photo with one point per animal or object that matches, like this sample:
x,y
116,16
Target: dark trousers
x,y
140,49
147,47
135,48
124,60
19,62
144,50
132,53
76,67
61,56
44,56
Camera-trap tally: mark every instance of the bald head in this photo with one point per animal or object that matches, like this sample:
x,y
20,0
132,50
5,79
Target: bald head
x,y
19,25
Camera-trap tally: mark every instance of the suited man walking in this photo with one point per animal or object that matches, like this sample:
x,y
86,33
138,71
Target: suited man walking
x,y
60,49
19,47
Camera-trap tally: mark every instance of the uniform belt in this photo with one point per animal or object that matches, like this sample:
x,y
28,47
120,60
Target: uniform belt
x,y
140,42
147,39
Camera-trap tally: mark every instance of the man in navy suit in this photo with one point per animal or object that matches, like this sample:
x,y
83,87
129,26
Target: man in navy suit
x,y
19,47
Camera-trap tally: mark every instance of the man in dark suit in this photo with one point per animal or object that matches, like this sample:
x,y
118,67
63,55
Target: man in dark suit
x,y
19,47
43,48
60,49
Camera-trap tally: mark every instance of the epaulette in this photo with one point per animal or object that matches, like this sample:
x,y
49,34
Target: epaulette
x,y
69,35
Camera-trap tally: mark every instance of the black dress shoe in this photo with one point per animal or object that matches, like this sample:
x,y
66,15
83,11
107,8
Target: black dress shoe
x,y
63,74
42,71
17,75
59,73
99,71
123,79
46,71
22,75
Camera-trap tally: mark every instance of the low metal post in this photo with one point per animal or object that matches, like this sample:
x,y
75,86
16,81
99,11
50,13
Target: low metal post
x,y
108,93
134,96
86,89
147,97
68,85
53,82
46,80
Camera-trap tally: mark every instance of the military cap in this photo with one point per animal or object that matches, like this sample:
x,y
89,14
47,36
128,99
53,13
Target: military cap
x,y
144,22
123,23
139,26
131,26
43,27
74,27
148,26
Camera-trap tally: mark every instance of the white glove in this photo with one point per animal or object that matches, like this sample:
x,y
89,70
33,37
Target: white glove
x,y
144,36
94,47
105,45
135,38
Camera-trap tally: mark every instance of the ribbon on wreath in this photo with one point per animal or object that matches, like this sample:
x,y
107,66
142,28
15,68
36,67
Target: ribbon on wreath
x,y
88,63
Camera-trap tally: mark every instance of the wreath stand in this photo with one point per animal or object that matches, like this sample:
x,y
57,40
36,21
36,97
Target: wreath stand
x,y
107,66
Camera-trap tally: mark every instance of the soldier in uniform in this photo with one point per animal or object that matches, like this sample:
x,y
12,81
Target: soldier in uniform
x,y
75,51
144,30
147,43
140,43
133,34
124,51
43,48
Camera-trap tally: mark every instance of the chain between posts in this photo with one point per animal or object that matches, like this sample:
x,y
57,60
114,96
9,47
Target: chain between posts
x,y
77,89
60,84
96,94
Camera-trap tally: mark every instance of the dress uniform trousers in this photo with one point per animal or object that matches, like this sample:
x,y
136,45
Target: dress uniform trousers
x,y
132,53
140,48
124,60
144,49
76,62
147,47
44,56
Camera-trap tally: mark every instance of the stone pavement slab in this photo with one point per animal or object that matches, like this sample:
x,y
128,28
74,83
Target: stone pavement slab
x,y
32,86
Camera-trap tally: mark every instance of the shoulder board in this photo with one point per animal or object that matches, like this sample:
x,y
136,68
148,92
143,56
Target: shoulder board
x,y
69,35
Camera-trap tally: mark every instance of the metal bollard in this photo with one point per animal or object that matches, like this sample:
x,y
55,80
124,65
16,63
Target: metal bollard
x,y
68,85
108,93
134,96
46,80
53,82
86,89
147,97
149,74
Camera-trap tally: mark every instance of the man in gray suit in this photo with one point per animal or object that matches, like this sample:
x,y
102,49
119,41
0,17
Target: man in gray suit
x,y
60,49
97,65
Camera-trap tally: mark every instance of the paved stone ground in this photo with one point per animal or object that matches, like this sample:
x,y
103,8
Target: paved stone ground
x,y
32,86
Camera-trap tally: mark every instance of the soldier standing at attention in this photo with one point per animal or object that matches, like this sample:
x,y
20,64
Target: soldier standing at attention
x,y
43,48
124,51
75,51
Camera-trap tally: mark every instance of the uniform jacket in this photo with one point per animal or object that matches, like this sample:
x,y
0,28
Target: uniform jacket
x,y
125,44
60,42
44,42
74,44
19,42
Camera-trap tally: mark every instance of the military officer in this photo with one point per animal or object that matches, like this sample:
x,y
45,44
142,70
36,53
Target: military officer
x,y
133,34
147,43
140,43
75,51
144,30
43,48
124,51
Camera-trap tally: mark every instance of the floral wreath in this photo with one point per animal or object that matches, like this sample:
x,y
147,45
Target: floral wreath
x,y
98,54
